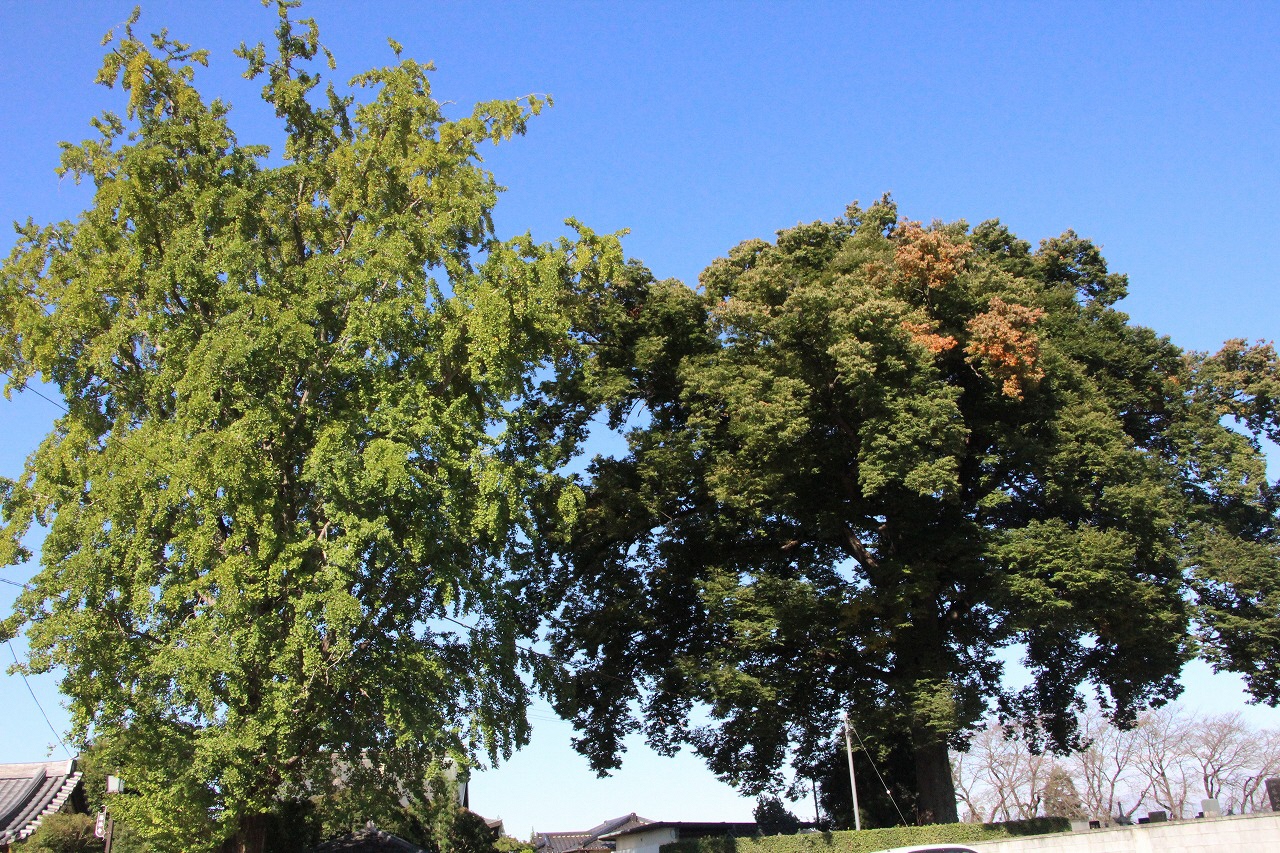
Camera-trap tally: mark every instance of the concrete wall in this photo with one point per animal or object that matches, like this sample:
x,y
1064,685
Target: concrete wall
x,y
647,842
1238,834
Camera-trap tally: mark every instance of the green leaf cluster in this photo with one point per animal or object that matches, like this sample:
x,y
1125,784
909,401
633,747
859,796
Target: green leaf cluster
x,y
868,457
300,435
63,833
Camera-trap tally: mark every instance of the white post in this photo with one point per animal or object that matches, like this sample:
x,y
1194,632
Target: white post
x,y
853,783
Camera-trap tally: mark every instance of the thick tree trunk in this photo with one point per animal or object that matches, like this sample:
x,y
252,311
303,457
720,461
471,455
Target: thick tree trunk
x,y
937,803
250,837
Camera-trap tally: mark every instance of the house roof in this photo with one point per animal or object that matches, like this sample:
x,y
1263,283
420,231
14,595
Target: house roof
x,y
587,839
689,828
30,791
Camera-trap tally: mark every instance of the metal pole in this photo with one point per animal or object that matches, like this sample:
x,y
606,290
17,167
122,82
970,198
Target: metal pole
x,y
853,783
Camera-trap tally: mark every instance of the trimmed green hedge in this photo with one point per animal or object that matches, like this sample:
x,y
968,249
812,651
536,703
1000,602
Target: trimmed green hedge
x,y
870,840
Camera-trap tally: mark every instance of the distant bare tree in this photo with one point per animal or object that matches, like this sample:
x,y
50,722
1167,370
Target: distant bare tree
x,y
969,791
1000,778
1252,794
1226,750
1107,769
1165,758
1163,762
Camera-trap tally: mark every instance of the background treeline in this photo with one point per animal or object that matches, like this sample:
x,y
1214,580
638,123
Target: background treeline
x,y
1170,760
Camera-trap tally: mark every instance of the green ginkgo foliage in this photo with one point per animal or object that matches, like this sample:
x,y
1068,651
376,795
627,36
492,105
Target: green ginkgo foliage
x,y
298,439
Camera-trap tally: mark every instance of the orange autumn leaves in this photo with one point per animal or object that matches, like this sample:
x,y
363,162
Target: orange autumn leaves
x,y
1001,341
928,258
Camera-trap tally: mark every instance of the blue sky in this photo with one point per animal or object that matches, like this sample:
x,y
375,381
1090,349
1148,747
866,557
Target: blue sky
x,y
1151,128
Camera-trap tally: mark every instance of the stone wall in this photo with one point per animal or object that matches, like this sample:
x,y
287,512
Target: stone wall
x,y
1207,835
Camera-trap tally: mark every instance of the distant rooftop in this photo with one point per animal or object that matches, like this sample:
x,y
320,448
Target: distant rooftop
x,y
592,839
689,827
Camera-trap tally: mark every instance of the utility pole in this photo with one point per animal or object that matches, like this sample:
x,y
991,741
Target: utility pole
x,y
114,786
853,783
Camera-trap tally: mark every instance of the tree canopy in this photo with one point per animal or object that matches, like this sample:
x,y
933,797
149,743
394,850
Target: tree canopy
x,y
865,459
297,443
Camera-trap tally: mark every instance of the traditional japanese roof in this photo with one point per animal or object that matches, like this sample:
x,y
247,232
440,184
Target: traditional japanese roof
x,y
30,791
688,828
587,840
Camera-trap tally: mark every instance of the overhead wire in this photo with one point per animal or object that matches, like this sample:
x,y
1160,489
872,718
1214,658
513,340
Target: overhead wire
x,y
25,680
876,769
23,386
36,699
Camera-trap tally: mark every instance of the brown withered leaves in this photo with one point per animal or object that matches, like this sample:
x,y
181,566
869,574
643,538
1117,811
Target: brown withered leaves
x,y
928,258
926,335
1002,343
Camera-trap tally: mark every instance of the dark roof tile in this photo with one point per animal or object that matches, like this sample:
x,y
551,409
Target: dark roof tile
x,y
31,790
587,840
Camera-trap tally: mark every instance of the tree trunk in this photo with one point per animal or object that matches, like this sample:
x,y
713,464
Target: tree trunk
x,y
937,803
250,837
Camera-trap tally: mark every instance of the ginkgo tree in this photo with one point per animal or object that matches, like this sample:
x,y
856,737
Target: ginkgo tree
x,y
871,459
296,441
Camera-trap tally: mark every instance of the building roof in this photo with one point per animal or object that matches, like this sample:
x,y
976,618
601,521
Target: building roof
x,y
588,839
686,827
30,791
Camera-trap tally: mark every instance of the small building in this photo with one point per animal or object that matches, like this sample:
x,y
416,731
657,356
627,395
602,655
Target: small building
x,y
650,837
32,790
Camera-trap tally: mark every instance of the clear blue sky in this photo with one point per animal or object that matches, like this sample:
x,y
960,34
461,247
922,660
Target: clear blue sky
x,y
1152,128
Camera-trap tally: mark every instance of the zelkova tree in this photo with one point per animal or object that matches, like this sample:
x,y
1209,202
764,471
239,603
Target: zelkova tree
x,y
298,438
869,456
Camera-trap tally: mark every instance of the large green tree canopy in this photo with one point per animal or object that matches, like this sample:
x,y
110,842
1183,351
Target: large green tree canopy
x,y
871,455
297,441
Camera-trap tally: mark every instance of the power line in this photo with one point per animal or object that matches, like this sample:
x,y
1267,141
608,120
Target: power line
x,y
125,448
34,698
23,386
20,585
37,701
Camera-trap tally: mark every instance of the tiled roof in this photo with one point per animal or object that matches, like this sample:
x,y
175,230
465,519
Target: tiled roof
x,y
618,824
688,828
561,842
30,791
586,840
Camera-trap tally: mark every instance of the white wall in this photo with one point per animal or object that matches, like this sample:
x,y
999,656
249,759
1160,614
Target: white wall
x,y
1238,834
648,841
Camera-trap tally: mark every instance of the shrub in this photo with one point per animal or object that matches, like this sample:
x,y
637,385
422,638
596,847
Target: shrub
x,y
870,840
64,833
